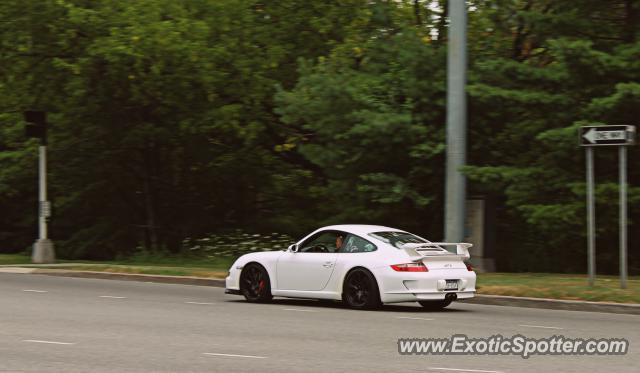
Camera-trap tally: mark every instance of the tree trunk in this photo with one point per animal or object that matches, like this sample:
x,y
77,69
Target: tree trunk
x,y
442,22
417,12
150,210
630,21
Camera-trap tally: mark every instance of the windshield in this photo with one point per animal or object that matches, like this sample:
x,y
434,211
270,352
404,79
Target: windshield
x,y
397,239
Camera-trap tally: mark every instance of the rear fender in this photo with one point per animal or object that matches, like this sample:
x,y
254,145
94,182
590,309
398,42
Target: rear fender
x,y
346,273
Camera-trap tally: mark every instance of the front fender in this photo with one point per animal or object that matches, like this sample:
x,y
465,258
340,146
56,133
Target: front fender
x,y
267,259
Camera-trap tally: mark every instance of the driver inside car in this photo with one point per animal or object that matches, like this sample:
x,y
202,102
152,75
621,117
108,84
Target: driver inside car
x,y
339,243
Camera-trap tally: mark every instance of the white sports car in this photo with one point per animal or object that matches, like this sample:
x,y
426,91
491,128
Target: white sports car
x,y
362,265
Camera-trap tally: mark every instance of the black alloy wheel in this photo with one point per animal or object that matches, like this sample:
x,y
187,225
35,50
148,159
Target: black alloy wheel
x,y
254,283
360,290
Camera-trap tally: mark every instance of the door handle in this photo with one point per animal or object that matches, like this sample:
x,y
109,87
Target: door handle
x,y
328,264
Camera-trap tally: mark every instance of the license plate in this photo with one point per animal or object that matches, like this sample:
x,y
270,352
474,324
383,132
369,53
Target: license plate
x,y
451,285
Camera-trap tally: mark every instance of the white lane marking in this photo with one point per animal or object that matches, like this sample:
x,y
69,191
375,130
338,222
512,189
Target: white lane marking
x,y
298,310
49,342
540,326
414,318
35,291
112,297
199,303
465,370
233,355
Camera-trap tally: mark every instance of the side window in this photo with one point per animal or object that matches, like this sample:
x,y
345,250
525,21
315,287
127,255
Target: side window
x,y
322,242
355,244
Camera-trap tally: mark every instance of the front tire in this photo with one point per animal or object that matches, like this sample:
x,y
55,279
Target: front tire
x,y
360,290
435,305
255,284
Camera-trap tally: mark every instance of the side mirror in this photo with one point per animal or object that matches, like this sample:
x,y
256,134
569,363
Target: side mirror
x,y
293,248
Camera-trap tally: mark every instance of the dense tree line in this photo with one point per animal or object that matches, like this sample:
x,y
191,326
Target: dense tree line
x,y
177,118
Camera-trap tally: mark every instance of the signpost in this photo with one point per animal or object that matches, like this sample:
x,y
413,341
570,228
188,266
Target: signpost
x,y
620,136
43,251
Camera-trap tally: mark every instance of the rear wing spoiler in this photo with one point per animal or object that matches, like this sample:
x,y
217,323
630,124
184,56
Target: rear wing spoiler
x,y
434,250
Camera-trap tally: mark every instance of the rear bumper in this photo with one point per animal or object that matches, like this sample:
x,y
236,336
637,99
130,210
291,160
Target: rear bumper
x,y
415,297
398,287
439,296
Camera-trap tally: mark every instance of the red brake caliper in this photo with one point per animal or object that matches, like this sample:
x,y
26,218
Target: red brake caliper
x,y
261,285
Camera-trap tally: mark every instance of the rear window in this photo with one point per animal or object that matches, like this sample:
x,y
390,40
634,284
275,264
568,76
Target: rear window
x,y
397,239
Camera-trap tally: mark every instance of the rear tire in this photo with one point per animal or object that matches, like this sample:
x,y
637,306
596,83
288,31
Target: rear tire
x,y
255,284
435,305
360,290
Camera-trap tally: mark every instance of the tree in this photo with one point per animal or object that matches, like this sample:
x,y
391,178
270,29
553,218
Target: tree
x,y
163,122
370,119
526,106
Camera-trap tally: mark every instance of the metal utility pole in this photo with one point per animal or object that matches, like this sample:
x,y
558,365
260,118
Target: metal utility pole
x,y
42,186
456,121
43,251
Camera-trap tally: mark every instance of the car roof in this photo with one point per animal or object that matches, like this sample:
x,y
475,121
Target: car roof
x,y
361,229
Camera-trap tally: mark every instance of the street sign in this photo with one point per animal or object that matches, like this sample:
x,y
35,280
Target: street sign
x,y
607,135
619,136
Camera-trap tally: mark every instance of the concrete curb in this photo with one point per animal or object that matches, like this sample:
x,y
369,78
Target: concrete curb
x,y
555,304
183,280
494,300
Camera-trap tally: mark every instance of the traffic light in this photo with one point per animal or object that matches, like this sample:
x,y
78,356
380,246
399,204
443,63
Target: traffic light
x,y
36,125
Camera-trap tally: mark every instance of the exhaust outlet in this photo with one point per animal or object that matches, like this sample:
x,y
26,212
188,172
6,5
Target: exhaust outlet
x,y
451,297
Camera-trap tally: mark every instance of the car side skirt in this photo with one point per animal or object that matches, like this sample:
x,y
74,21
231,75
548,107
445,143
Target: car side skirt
x,y
307,294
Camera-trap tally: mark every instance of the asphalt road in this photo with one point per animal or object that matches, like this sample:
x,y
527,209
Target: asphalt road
x,y
57,324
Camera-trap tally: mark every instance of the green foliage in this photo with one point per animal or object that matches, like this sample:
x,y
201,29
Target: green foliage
x,y
163,124
182,118
236,244
373,130
527,106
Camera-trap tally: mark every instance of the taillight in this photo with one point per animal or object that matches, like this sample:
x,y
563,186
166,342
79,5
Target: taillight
x,y
410,267
469,267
